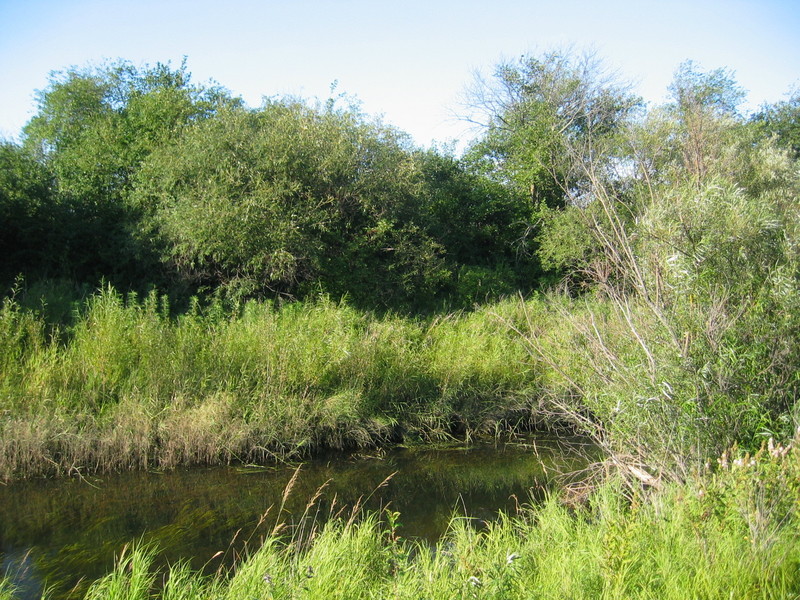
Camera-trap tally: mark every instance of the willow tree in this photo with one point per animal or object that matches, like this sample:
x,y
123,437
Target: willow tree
x,y
292,197
543,118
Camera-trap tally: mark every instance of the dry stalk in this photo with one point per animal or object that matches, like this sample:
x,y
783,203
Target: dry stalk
x,y
280,525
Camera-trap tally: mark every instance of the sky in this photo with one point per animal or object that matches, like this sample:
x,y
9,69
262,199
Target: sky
x,y
408,61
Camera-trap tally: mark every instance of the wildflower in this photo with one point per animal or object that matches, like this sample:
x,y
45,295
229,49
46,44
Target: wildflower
x,y
778,451
723,460
474,581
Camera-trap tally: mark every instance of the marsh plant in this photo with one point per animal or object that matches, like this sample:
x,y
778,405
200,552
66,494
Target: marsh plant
x,y
128,385
731,532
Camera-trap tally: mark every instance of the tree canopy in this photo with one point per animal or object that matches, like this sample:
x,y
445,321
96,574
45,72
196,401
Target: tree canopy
x,y
141,177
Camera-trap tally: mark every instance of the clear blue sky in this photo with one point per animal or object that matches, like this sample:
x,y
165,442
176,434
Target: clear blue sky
x,y
407,60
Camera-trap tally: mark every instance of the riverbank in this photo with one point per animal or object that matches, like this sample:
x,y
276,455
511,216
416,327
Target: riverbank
x,y
127,385
729,533
210,515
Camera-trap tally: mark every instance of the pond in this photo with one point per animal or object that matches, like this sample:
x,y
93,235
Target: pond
x,y
60,535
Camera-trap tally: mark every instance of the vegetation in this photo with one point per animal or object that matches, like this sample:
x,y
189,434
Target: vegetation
x,y
129,386
142,178
329,285
730,534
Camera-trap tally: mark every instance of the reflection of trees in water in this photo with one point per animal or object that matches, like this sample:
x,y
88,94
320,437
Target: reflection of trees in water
x,y
74,528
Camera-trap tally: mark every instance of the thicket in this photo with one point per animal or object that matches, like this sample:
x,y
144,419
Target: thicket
x,y
665,238
663,242
681,228
144,179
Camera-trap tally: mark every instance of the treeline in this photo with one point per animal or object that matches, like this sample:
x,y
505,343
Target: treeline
x,y
141,178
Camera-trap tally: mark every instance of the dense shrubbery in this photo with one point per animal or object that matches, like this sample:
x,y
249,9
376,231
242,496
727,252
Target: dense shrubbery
x,y
687,344
668,238
672,232
142,178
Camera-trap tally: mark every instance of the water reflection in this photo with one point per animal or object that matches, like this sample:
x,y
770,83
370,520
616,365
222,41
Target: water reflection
x,y
62,534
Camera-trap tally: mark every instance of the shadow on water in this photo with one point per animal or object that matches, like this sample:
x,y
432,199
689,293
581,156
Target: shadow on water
x,y
63,534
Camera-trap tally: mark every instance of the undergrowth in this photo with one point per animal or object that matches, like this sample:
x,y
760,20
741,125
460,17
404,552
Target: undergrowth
x,y
128,385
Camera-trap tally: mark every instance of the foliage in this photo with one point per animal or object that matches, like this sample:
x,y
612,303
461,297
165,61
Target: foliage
x,y
782,120
128,385
28,215
482,224
673,233
544,117
95,126
686,345
124,168
93,129
291,198
671,338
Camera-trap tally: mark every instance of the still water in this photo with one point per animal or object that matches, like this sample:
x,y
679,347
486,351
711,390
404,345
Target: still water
x,y
61,535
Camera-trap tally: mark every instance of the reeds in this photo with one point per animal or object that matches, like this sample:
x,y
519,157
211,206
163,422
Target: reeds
x,y
128,385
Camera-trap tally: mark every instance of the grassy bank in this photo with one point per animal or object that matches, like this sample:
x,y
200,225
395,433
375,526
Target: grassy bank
x,y
731,533
126,385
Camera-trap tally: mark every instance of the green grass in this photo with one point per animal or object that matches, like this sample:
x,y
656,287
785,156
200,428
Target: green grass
x,y
127,385
731,532
6,590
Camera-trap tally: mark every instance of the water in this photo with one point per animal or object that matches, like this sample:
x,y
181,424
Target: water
x,y
63,534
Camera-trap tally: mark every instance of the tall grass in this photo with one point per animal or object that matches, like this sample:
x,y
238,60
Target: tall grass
x,y
127,385
6,589
731,533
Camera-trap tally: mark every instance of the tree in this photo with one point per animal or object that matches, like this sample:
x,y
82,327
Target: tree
x,y
701,136
782,120
93,129
289,198
95,126
706,105
544,118
551,126
26,214
693,255
482,225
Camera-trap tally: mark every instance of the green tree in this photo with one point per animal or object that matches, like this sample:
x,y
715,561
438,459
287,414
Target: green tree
x,y
706,107
544,118
95,126
782,120
482,225
26,214
93,129
551,127
688,342
701,135
289,198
